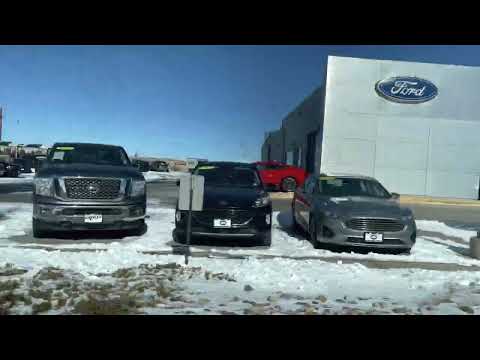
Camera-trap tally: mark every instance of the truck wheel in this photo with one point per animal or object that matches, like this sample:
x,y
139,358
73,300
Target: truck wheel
x,y
38,232
312,232
288,184
139,231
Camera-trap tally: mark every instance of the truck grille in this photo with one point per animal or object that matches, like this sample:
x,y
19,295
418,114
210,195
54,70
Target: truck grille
x,y
92,188
238,217
380,225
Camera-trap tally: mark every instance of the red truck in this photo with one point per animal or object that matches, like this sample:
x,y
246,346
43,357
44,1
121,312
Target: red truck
x,y
281,176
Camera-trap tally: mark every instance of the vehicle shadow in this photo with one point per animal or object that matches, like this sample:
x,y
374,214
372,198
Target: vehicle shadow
x,y
285,223
462,251
209,242
81,237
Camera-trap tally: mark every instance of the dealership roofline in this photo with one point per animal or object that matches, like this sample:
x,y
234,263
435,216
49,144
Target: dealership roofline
x,y
405,61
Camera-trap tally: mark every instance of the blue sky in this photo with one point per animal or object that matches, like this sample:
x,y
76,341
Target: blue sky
x,y
214,102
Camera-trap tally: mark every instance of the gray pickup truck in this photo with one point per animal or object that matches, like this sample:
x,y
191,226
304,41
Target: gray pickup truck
x,y
88,187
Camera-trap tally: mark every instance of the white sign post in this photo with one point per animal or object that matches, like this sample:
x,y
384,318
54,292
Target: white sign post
x,y
190,199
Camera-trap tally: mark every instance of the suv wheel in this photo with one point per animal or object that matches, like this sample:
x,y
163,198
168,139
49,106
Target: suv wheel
x,y
288,184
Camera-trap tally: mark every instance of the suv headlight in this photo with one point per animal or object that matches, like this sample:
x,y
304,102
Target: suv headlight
x,y
407,217
138,188
261,202
43,186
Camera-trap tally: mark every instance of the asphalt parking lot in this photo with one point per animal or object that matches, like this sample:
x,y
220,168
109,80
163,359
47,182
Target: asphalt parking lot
x,y
165,194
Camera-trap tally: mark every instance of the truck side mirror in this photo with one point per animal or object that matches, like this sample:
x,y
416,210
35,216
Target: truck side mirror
x,y
178,182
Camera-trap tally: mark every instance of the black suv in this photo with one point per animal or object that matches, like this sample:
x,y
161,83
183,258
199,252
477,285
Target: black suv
x,y
88,187
235,205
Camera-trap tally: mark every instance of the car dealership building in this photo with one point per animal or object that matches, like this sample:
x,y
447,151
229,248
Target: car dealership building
x,y
413,126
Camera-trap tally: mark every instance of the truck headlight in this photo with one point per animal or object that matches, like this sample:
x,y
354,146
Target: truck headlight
x,y
138,188
261,202
407,217
43,186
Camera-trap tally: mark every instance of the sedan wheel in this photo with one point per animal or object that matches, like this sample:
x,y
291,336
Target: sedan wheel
x,y
312,232
289,184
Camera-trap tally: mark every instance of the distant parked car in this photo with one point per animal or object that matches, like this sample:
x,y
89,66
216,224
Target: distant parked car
x,y
355,211
9,170
141,165
281,176
161,166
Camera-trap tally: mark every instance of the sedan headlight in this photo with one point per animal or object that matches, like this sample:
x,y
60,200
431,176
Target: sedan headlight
x,y
43,186
331,214
138,188
261,202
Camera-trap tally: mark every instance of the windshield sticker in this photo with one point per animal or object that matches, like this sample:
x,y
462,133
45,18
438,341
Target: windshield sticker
x,y
65,148
58,155
327,178
207,168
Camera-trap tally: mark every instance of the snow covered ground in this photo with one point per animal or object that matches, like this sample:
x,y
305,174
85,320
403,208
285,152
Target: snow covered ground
x,y
277,285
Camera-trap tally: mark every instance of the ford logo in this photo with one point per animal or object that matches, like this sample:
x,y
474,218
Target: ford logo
x,y
406,89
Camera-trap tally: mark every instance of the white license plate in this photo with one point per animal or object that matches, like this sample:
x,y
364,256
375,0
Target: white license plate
x,y
373,237
93,218
222,223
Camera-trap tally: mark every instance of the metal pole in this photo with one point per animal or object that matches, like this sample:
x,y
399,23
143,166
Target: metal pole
x,y
189,221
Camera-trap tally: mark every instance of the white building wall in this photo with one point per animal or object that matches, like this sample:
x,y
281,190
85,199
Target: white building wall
x,y
420,149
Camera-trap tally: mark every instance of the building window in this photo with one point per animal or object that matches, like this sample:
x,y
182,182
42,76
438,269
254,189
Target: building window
x,y
290,157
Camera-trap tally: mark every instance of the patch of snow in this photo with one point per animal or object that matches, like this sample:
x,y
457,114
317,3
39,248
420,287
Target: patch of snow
x,y
16,222
152,176
21,179
437,226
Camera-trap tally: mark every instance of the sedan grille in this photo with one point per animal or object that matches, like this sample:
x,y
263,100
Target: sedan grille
x,y
238,217
380,225
92,188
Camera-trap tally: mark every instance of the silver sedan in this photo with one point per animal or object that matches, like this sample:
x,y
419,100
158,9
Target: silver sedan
x,y
354,211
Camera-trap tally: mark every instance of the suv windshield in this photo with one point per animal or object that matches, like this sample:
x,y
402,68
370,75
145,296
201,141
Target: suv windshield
x,y
228,176
339,187
88,154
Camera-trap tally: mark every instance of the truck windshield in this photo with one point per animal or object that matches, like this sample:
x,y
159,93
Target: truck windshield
x,y
88,154
228,176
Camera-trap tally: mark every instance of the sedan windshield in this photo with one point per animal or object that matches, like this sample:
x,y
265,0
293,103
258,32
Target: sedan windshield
x,y
340,187
95,155
228,176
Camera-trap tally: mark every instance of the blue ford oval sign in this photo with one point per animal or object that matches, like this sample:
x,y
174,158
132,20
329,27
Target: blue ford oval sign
x,y
406,89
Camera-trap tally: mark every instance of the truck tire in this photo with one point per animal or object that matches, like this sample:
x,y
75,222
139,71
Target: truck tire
x,y
38,232
139,231
288,184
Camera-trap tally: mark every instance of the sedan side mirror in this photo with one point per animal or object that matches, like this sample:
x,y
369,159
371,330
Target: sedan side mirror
x,y
395,196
